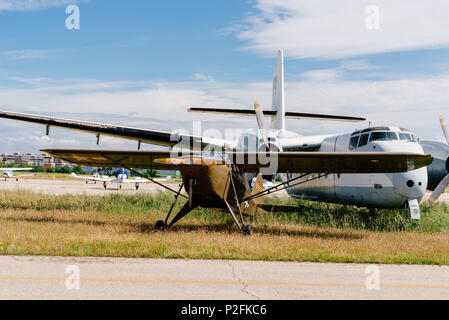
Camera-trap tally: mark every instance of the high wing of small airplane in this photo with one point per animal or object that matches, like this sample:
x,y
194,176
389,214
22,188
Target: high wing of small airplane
x,y
304,162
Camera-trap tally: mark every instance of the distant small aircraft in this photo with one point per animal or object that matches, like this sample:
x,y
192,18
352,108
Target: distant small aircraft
x,y
8,173
122,176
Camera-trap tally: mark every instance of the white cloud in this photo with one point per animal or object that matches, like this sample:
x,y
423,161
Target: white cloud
x,y
202,77
337,29
321,75
22,5
26,54
414,103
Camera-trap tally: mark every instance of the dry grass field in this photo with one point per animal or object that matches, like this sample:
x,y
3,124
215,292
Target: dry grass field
x,y
123,226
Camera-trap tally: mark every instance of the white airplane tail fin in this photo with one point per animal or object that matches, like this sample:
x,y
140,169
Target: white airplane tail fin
x,y
278,103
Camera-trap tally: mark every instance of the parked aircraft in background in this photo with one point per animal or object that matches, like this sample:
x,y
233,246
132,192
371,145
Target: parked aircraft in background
x,y
8,173
94,178
121,177
379,189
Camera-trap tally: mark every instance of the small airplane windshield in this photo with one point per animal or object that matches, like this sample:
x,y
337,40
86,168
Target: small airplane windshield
x,y
379,135
407,136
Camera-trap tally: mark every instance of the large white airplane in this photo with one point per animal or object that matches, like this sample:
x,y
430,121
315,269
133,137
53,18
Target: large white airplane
x,y
8,173
121,177
389,190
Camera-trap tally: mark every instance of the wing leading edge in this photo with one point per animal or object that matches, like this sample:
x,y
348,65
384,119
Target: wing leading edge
x,y
161,138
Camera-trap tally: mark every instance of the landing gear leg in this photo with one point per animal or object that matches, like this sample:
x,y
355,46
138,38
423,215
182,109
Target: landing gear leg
x,y
247,229
137,186
163,224
104,185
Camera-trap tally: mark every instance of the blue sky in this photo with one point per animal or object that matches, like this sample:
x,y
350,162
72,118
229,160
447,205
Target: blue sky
x,y
142,63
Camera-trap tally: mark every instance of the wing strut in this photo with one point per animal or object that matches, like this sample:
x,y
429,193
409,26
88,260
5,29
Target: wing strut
x,y
154,181
283,186
141,175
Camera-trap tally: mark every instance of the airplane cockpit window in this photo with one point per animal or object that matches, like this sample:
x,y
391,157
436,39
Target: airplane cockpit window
x,y
363,139
382,135
353,143
407,136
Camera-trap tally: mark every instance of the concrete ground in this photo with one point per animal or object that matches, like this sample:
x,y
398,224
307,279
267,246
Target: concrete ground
x,y
117,278
69,186
111,278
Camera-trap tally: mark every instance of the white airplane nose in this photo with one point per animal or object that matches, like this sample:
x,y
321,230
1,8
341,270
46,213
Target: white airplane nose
x,y
412,184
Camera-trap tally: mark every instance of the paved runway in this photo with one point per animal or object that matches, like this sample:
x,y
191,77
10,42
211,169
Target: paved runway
x,y
69,186
111,278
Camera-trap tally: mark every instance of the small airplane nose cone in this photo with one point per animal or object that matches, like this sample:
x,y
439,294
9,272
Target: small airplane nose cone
x,y
412,184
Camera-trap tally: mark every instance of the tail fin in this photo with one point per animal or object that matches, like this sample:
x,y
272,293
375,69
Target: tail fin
x,y
278,122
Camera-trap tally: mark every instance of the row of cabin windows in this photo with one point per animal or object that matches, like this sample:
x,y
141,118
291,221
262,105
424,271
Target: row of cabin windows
x,y
362,140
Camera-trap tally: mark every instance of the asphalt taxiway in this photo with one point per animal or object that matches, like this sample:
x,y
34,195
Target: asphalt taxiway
x,y
119,278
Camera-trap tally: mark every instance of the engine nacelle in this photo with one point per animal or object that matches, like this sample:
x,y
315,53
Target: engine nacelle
x,y
439,168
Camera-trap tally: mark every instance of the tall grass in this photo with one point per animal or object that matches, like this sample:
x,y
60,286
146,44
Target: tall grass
x,y
433,219
123,226
155,206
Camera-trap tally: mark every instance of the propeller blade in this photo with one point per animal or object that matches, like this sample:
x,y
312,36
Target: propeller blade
x,y
261,122
439,190
443,123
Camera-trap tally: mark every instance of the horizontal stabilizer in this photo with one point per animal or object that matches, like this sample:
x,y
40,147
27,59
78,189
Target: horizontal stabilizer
x,y
271,113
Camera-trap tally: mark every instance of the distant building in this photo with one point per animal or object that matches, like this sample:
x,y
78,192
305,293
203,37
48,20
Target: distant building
x,y
37,160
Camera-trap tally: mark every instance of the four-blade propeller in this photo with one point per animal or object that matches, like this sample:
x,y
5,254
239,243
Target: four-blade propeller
x,y
445,182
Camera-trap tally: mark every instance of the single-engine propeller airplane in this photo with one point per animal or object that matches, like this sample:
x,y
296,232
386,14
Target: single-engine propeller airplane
x,y
8,173
121,177
381,167
220,181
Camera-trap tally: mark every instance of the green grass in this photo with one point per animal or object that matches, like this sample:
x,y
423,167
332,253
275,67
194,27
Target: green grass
x,y
120,225
433,219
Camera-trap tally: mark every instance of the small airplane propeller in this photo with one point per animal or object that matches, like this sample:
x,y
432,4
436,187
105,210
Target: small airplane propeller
x,y
443,123
445,182
261,123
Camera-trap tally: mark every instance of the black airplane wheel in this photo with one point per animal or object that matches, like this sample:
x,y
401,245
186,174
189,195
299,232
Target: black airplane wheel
x,y
160,225
137,186
248,229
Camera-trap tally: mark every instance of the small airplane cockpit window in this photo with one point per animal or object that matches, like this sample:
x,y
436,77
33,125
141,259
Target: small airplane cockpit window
x,y
382,135
353,143
363,139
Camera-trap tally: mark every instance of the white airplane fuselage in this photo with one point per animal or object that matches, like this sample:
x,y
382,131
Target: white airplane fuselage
x,y
390,190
